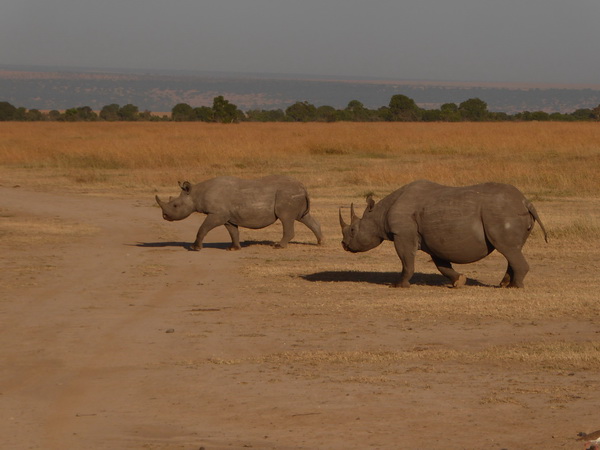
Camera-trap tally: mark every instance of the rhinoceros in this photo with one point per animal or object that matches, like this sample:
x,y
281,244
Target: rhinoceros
x,y
234,202
452,224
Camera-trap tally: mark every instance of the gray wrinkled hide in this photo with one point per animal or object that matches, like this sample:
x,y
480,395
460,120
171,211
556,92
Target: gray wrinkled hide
x,y
234,202
452,224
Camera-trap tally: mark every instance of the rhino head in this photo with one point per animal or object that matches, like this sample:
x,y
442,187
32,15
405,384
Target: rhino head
x,y
361,234
180,207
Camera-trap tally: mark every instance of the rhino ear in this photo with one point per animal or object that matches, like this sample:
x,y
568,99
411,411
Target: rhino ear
x,y
186,186
370,203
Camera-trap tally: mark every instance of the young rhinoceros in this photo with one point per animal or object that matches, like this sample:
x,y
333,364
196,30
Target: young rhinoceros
x,y
234,203
452,224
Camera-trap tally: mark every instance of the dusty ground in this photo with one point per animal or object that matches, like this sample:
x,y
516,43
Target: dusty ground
x,y
114,335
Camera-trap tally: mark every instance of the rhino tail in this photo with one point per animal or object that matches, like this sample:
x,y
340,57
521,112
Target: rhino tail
x,y
536,217
307,204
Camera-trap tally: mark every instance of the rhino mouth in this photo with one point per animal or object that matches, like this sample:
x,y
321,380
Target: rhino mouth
x,y
348,249
166,217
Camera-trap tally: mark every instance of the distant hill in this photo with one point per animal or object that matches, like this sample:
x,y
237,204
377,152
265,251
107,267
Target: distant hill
x,y
56,88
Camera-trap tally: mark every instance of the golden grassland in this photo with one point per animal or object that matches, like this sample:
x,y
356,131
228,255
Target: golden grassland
x,y
556,159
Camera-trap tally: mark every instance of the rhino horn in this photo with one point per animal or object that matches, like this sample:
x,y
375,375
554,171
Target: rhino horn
x,y
159,201
353,215
342,223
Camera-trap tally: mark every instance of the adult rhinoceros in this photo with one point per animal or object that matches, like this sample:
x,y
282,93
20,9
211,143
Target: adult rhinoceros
x,y
452,224
234,202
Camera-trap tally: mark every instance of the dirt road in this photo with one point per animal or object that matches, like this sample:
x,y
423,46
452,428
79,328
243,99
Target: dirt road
x,y
114,335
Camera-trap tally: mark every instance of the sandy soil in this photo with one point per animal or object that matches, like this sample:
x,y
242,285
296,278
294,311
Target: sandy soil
x,y
115,336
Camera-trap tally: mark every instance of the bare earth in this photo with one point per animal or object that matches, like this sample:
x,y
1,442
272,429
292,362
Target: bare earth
x,y
115,336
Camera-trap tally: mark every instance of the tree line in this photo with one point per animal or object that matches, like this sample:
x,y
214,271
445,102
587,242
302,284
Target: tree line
x,y
400,109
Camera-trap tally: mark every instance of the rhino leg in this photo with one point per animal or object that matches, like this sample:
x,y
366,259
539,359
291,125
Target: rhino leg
x,y
507,277
406,250
211,221
235,236
508,237
517,268
288,231
313,226
446,269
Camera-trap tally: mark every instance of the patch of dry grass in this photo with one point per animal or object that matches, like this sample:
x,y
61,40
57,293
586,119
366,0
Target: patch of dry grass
x,y
17,232
32,231
567,356
540,158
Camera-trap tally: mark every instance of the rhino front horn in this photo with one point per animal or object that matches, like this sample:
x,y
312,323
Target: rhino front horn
x,y
342,223
158,200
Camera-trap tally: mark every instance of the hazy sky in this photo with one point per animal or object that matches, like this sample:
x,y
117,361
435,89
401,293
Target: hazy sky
x,y
534,41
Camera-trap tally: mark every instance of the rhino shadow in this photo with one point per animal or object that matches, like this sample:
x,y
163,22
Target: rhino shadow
x,y
219,245
382,278
272,243
186,245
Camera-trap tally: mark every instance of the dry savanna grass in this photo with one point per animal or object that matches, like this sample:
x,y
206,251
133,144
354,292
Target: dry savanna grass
x,y
543,159
557,165
17,231
556,356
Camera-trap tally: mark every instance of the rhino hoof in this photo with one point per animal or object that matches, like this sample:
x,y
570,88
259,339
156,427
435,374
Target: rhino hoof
x,y
233,248
460,281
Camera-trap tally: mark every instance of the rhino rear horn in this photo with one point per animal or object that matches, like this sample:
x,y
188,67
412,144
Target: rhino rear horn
x,y
353,215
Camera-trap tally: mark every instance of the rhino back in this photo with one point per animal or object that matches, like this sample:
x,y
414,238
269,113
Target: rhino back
x,y
246,203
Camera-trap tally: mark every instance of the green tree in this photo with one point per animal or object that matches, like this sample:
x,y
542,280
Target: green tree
x,y
7,111
301,112
71,115
21,113
500,116
449,112
54,115
182,112
540,116
326,114
473,109
147,115
384,113
262,115
559,117
403,108
34,115
583,114
110,112
431,115
357,112
129,112
204,114
224,111
80,114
